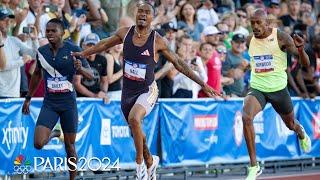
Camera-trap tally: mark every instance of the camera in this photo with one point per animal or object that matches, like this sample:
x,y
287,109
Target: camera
x,y
27,30
50,8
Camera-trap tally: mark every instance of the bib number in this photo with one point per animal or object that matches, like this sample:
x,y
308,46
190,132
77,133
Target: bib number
x,y
135,71
58,85
263,63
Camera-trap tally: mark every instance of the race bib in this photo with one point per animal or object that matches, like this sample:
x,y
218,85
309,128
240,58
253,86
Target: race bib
x,y
135,71
58,85
263,63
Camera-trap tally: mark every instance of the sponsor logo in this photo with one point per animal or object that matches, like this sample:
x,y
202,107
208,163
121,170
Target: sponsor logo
x,y
61,164
208,122
21,165
316,125
238,128
15,135
108,132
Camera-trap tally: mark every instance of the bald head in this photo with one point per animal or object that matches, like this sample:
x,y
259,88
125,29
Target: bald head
x,y
260,14
259,24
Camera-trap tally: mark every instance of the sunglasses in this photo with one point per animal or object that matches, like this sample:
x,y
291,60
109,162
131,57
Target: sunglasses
x,y
221,51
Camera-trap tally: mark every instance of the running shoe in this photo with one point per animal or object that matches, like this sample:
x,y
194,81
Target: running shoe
x,y
254,172
141,172
152,171
305,143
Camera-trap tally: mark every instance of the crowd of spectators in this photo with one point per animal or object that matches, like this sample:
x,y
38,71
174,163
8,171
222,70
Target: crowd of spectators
x,y
209,35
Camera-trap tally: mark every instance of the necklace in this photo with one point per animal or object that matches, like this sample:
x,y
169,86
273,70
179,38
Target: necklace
x,y
139,35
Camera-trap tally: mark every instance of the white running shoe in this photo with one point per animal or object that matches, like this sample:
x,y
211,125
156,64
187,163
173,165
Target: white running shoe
x,y
141,172
152,171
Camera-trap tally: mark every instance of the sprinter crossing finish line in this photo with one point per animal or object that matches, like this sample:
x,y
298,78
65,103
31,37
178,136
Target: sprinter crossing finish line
x,y
142,46
267,50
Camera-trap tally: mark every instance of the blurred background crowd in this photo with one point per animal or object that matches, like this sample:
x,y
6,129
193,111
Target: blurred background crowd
x,y
210,35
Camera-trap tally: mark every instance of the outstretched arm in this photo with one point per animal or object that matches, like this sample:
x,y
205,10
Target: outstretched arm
x,y
104,44
294,46
182,66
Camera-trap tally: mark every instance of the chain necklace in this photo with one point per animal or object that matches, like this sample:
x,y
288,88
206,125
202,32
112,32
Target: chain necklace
x,y
139,35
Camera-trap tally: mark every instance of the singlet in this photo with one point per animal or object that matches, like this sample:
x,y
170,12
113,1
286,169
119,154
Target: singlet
x,y
268,63
138,64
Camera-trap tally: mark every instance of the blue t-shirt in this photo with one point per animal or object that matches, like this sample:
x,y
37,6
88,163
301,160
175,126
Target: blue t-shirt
x,y
195,33
58,80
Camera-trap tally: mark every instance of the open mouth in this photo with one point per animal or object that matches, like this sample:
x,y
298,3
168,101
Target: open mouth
x,y
51,38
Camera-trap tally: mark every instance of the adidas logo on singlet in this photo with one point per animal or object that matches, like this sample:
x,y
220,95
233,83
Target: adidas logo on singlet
x,y
145,53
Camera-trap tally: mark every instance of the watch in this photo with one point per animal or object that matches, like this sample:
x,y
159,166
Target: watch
x,y
1,45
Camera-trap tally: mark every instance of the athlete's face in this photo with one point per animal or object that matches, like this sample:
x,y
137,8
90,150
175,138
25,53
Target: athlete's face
x,y
259,26
54,33
144,15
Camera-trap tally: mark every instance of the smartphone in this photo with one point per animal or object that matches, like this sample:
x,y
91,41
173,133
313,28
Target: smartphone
x,y
27,30
50,8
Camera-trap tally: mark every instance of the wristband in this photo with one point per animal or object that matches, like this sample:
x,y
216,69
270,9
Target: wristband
x,y
1,45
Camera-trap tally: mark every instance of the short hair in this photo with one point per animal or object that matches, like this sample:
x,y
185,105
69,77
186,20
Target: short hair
x,y
56,21
147,3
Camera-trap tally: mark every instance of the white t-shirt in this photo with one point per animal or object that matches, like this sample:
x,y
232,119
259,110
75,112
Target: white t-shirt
x,y
10,77
207,17
180,81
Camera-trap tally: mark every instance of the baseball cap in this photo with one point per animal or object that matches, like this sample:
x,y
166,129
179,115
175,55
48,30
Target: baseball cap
x,y
5,13
169,26
92,38
210,30
238,38
274,2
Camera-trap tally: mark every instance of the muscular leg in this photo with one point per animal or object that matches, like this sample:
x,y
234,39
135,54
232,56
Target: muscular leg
x,y
146,153
69,140
292,124
41,136
250,109
136,115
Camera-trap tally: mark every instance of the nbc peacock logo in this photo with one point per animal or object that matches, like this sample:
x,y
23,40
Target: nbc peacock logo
x,y
21,165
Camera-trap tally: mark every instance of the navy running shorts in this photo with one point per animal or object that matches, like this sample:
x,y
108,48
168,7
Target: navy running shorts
x,y
68,114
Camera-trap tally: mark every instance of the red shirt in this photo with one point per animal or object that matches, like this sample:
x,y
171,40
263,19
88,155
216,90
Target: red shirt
x,y
214,74
40,90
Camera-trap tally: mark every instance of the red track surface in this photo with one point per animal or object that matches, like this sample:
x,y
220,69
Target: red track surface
x,y
311,176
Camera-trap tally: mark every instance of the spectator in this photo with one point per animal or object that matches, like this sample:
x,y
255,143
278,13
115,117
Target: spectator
x,y
114,71
167,12
222,51
212,67
183,87
188,22
14,49
29,70
98,86
241,23
274,8
170,33
235,66
71,24
292,18
97,17
206,15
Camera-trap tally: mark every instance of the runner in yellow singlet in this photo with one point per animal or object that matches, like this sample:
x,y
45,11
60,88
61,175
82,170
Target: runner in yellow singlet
x,y
268,49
